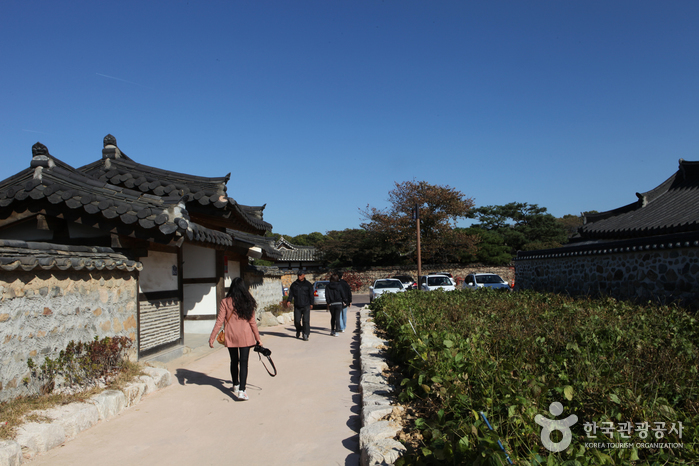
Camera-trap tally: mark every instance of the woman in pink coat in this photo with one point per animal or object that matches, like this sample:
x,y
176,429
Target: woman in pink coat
x,y
238,311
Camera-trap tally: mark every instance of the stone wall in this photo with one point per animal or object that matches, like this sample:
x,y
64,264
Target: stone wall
x,y
265,284
658,275
42,311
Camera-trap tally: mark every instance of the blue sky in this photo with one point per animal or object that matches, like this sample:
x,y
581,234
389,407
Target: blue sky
x,y
318,107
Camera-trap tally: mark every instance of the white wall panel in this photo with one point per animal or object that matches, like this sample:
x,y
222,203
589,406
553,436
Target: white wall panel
x,y
198,262
158,273
200,299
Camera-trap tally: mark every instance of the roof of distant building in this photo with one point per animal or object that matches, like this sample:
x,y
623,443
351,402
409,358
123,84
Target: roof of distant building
x,y
294,253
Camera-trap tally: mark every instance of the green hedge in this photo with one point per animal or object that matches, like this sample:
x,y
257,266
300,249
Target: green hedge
x,y
510,355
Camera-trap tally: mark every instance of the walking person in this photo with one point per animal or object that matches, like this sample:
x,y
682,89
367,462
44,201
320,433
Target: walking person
x,y
301,294
237,309
336,297
348,291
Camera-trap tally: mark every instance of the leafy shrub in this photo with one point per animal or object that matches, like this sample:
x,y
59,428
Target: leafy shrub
x,y
510,355
81,364
277,309
353,280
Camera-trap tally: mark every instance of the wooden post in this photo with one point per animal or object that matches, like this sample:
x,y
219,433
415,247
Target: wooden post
x,y
419,256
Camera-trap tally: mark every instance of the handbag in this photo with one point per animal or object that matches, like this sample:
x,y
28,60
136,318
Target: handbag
x,y
221,337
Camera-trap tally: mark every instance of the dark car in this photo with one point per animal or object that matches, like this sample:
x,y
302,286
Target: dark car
x,y
407,281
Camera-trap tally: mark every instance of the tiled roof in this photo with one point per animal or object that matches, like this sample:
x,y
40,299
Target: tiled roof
x,y
21,255
200,194
263,242
60,190
672,207
292,252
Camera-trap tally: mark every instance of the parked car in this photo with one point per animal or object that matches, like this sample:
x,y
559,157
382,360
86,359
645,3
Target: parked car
x,y
319,293
385,285
434,281
451,277
407,281
474,281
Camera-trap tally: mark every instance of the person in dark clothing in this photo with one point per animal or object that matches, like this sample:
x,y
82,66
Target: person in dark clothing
x,y
336,298
301,294
348,291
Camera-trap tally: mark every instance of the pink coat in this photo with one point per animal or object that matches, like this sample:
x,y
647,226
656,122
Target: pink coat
x,y
239,332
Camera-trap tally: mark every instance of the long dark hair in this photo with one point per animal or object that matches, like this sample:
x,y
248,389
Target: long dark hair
x,y
245,304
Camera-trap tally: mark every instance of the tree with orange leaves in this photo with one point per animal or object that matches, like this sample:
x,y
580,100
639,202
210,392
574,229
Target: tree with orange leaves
x,y
440,208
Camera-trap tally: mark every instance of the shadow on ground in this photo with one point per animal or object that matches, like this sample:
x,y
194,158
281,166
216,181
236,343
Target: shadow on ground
x,y
354,421
187,377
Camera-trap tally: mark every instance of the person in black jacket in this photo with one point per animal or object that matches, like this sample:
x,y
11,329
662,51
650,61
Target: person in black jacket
x,y
336,297
301,293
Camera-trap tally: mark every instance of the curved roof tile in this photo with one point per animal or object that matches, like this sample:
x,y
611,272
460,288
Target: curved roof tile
x,y
667,209
26,256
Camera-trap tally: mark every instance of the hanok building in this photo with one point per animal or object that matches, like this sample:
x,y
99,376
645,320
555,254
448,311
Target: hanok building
x,y
296,257
646,250
85,233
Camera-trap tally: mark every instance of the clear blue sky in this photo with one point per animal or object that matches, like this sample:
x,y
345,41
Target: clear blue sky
x,y
318,107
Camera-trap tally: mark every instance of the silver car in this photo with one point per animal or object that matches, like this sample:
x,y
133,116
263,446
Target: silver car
x,y
474,281
434,282
319,293
385,285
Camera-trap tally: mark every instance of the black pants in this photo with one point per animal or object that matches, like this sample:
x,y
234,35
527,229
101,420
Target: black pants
x,y
239,357
302,320
335,310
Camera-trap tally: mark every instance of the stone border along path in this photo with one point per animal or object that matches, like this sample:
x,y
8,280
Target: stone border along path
x,y
69,420
376,437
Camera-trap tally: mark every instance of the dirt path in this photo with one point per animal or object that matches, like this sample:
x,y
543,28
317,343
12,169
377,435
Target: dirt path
x,y
307,415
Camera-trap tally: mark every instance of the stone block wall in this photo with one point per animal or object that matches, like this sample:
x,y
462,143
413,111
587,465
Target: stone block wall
x,y
659,275
265,284
42,311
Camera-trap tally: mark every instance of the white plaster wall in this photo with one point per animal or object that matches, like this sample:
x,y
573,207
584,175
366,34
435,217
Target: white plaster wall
x,y
233,271
157,273
199,326
200,299
198,262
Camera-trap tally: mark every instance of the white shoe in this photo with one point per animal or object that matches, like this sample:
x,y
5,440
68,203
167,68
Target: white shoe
x,y
236,389
243,396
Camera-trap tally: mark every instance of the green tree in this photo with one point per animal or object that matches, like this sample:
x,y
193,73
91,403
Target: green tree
x,y
490,249
440,208
523,226
358,247
310,239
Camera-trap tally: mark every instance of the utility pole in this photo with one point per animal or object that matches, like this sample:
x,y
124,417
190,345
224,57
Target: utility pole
x,y
416,216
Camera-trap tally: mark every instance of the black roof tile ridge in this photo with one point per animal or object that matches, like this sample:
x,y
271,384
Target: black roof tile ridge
x,y
115,163
266,243
259,223
655,193
99,188
18,178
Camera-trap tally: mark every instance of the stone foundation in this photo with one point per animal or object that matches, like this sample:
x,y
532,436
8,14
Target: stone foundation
x,y
42,311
